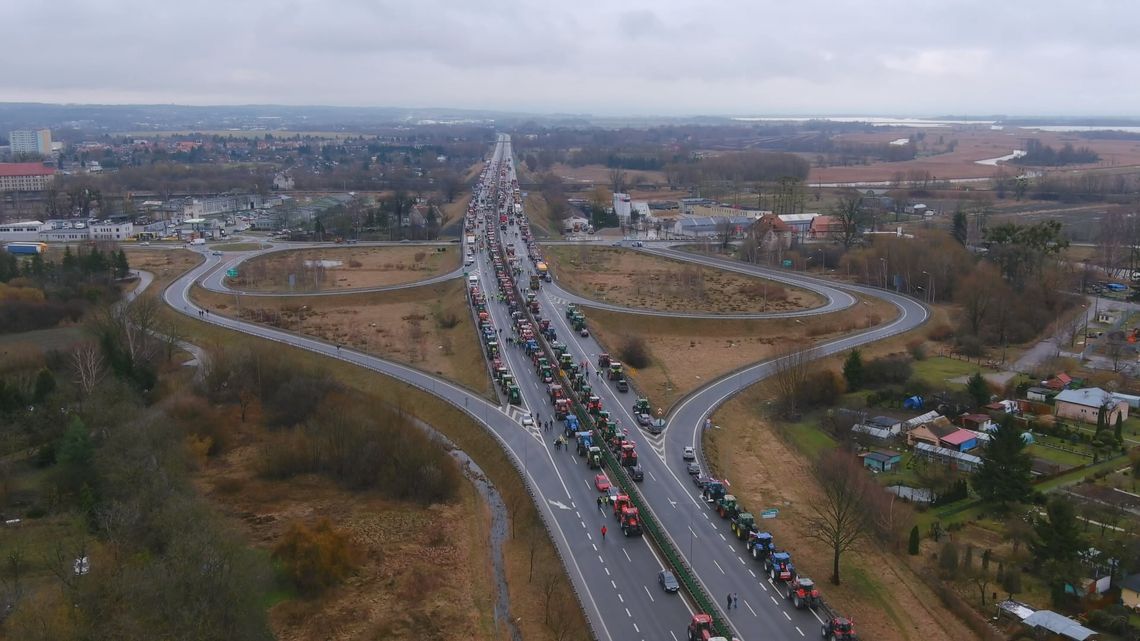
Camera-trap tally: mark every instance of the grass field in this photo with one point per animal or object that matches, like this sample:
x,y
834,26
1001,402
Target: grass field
x,y
323,269
937,371
1058,456
633,279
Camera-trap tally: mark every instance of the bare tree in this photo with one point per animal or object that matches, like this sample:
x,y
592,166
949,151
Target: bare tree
x,y
841,519
790,376
1115,350
87,361
617,180
849,212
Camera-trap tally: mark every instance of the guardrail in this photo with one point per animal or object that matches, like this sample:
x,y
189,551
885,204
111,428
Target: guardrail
x,y
685,574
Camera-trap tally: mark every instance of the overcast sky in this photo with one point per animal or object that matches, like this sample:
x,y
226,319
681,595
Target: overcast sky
x,y
667,57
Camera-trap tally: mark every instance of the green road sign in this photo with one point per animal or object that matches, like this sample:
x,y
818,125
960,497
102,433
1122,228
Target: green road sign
x,y
787,262
232,273
769,514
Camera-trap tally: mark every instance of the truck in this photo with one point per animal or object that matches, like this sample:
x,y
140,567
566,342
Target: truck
x,y
26,249
197,241
543,271
534,281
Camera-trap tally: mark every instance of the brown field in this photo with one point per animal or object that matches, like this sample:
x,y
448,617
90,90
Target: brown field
x,y
687,353
165,264
888,601
973,144
406,326
358,267
600,175
526,602
639,280
399,578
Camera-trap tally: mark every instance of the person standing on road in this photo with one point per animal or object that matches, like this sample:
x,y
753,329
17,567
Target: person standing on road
x,y
603,533
729,599
736,600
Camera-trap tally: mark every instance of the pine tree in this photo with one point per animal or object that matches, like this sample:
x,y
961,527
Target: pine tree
x,y
978,389
1057,537
853,370
122,265
961,229
1006,467
45,384
1100,422
1118,433
913,546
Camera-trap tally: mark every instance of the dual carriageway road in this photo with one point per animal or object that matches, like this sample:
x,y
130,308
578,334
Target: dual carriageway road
x,y
615,579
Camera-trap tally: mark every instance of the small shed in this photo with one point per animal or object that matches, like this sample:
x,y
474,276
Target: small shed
x,y
881,460
1040,394
1056,626
1130,592
976,422
961,441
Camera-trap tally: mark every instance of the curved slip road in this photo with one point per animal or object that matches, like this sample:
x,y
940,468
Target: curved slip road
x,y
615,579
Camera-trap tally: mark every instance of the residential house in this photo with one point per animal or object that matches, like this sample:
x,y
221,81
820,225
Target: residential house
x,y
958,460
1085,405
1130,592
1047,624
800,224
1040,394
882,428
825,228
771,233
931,432
976,422
706,227
960,440
880,460
1058,382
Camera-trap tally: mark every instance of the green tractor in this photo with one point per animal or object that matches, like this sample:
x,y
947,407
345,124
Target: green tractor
x,y
615,371
713,491
514,395
727,507
641,407
507,381
743,524
566,361
594,457
558,348
578,322
571,309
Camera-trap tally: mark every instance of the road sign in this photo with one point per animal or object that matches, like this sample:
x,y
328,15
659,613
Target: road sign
x,y
787,262
232,273
769,514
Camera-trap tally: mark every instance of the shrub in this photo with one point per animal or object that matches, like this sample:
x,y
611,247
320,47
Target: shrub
x,y
917,349
634,352
820,388
971,346
446,320
913,544
948,559
314,559
940,333
889,370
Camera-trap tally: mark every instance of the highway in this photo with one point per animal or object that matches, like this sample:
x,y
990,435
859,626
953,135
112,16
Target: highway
x,y
615,579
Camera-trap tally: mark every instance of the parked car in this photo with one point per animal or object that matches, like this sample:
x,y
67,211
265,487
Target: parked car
x,y
637,473
700,480
668,581
622,385
693,468
644,419
602,482
657,426
527,421
688,454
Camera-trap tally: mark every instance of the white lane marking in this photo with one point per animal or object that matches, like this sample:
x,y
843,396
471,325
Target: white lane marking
x,y
722,538
607,571
651,599
774,600
673,635
613,584
705,515
626,555
816,615
799,630
653,478
786,615
600,559
576,513
589,536
636,629
761,585
718,566
628,614
693,533
750,608
620,598
741,559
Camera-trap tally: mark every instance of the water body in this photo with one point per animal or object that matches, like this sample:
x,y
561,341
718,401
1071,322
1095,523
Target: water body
x,y
878,121
1077,128
993,162
500,526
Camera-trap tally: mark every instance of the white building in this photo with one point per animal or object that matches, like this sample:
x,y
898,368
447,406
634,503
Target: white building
x,y
622,206
27,231
31,141
106,230
283,182
800,223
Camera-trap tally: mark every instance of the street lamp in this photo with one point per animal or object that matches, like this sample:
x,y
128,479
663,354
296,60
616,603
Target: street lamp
x,y
926,295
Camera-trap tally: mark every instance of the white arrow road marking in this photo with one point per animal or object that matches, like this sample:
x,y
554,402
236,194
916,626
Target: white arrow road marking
x,y
672,502
558,504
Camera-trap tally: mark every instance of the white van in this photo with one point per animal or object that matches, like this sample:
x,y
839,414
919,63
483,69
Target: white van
x,y
473,279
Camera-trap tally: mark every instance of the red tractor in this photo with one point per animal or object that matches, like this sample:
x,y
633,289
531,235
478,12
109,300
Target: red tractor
x,y
621,501
603,360
593,405
801,591
701,627
630,522
838,629
628,454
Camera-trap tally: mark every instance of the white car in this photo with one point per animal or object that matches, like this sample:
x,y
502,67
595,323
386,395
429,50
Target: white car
x,y
688,454
527,421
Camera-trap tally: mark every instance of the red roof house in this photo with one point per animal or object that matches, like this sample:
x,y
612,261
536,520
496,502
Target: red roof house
x,y
825,227
1059,382
18,169
960,441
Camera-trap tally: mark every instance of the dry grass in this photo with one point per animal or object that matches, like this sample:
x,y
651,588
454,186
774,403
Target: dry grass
x,y
634,279
881,591
468,436
688,353
403,580
404,325
344,267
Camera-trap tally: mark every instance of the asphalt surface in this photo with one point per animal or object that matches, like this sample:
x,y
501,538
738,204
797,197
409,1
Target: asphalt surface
x,y
615,578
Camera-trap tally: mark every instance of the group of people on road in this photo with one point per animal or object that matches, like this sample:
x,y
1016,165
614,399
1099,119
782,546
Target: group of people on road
x,y
733,600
